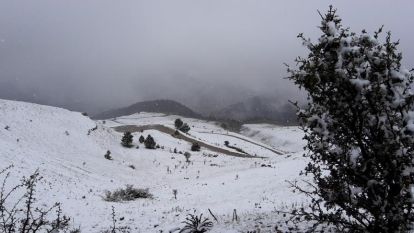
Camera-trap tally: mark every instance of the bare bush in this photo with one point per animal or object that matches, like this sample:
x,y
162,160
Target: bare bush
x,y
114,227
23,214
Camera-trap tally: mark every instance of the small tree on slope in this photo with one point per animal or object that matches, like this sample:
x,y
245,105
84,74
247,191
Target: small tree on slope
x,y
359,125
141,139
178,123
127,139
185,128
150,142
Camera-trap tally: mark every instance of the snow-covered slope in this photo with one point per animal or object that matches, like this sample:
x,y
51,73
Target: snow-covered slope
x,y
207,132
287,138
68,148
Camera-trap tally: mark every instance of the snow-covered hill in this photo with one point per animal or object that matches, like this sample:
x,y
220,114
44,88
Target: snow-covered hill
x,y
287,138
68,148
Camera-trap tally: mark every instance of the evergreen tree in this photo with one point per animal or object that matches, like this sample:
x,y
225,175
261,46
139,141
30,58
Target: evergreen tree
x,y
150,142
127,139
178,123
141,139
185,128
359,125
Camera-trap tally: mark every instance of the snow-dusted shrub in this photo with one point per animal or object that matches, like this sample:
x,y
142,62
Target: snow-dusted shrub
x,y
108,155
150,142
195,147
196,224
129,193
21,212
359,124
127,139
185,128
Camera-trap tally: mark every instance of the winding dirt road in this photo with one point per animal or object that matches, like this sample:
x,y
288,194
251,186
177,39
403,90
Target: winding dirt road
x,y
234,136
182,136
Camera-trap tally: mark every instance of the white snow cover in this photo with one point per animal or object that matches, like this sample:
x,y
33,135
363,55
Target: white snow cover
x,y
76,173
286,138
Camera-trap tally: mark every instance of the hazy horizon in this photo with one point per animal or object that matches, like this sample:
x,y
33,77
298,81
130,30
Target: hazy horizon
x,y
99,55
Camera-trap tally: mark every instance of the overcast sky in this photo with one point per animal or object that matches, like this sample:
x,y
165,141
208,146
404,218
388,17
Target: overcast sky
x,y
98,54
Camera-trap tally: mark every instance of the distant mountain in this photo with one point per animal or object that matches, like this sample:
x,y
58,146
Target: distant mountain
x,y
159,106
258,109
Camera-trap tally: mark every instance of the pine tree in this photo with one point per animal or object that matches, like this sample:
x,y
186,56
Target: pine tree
x,y
185,128
127,139
141,139
359,125
150,142
178,123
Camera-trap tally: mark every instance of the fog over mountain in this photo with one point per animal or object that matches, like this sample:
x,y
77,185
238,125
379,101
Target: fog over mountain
x,y
157,106
98,55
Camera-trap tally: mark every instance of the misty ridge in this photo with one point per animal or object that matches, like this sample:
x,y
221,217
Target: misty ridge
x,y
208,56
210,116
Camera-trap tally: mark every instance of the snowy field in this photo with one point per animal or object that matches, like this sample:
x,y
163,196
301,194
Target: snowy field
x,y
287,138
70,157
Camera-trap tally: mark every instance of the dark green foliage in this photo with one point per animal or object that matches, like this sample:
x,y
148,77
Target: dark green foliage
x,y
181,126
185,128
196,224
108,155
150,142
359,128
141,139
178,123
195,147
127,139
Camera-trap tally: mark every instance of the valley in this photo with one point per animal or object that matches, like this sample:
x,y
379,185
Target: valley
x,y
70,157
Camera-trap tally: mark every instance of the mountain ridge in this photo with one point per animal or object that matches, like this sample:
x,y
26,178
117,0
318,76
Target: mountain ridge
x,y
159,106
258,109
